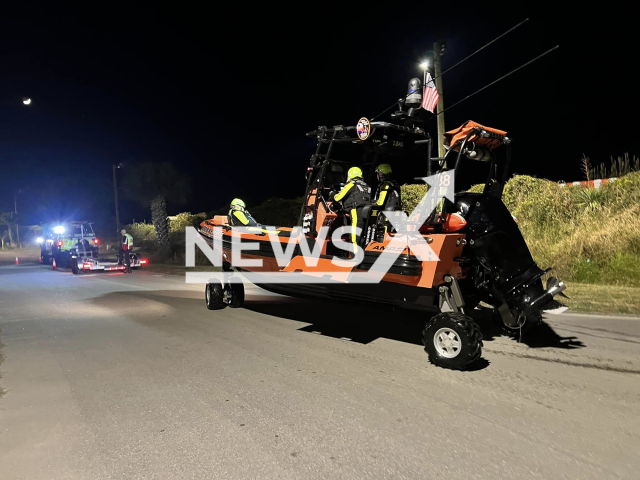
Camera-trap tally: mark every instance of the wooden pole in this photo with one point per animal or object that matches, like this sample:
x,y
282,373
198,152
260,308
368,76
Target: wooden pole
x,y
437,70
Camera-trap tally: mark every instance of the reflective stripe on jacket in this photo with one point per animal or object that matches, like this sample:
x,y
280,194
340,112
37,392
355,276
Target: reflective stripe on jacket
x,y
387,196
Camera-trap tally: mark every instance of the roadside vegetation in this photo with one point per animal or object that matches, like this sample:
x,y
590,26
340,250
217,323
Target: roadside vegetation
x,y
589,235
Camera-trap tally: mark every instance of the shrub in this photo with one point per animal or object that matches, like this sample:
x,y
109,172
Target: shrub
x,y
178,223
412,195
624,192
141,232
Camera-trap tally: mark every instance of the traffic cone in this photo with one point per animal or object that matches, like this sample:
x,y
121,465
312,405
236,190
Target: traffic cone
x,y
55,267
17,262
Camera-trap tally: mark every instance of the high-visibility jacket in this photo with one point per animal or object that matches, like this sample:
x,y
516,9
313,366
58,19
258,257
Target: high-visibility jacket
x,y
241,218
387,196
67,244
127,242
354,194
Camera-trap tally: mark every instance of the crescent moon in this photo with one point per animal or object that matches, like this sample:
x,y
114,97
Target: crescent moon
x,y
27,101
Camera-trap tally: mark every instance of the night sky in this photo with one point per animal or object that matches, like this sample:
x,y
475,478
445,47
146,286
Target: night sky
x,y
228,94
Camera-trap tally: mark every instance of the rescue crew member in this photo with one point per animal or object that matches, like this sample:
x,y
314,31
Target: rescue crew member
x,y
388,193
354,196
123,253
387,196
239,216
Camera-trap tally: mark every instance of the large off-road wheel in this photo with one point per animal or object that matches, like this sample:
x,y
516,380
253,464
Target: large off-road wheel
x,y
74,266
214,295
235,294
452,340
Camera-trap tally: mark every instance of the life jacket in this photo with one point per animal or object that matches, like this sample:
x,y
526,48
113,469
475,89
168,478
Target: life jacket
x,y
241,218
358,195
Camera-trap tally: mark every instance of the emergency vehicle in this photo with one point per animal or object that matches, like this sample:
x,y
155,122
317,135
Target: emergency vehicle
x,y
75,245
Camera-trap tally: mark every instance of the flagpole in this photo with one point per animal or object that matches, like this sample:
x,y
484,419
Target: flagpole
x,y
424,89
424,79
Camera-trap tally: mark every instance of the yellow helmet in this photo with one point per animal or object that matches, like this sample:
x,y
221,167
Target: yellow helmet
x,y
237,203
354,172
384,169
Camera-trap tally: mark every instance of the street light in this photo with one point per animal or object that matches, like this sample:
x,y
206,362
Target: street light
x,y
424,65
115,194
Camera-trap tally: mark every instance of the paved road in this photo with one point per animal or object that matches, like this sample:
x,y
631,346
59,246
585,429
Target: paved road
x,y
129,376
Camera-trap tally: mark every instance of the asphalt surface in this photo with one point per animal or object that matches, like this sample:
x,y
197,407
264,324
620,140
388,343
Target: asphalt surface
x,y
130,376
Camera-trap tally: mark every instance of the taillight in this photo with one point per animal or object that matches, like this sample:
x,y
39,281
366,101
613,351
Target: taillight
x,y
86,265
143,262
96,241
59,243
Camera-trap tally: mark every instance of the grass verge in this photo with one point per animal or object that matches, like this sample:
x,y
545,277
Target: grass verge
x,y
606,299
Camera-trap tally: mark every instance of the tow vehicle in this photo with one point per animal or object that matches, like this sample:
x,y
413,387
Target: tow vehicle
x,y
61,241
483,257
75,245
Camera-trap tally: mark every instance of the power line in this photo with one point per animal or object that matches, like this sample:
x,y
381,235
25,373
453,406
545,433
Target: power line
x,y
497,80
482,48
454,66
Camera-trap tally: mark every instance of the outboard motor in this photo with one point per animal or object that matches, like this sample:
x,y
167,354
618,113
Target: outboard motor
x,y
500,269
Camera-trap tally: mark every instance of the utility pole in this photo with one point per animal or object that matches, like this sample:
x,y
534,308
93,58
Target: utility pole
x,y
438,50
115,195
15,209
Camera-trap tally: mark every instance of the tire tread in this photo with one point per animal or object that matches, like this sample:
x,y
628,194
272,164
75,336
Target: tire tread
x,y
465,324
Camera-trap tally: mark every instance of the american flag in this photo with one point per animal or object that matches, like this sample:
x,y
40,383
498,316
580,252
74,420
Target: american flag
x,y
430,97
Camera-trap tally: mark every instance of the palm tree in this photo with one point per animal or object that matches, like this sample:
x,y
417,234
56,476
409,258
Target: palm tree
x,y
153,185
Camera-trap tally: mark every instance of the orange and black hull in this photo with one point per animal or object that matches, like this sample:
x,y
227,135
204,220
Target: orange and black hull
x,y
409,282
